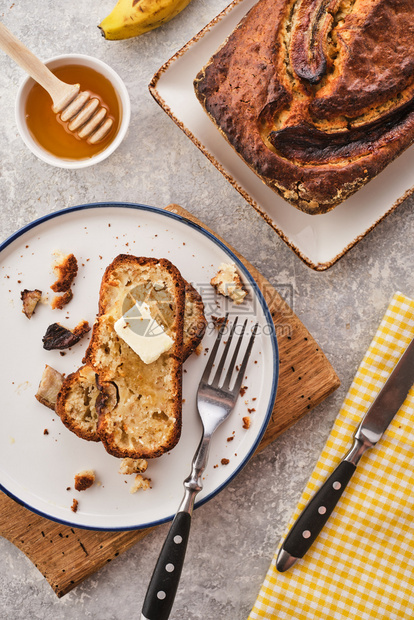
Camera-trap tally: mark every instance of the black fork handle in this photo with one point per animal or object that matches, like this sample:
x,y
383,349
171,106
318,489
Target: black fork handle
x,y
166,576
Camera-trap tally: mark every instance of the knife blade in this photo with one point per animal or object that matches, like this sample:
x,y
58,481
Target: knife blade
x,y
310,522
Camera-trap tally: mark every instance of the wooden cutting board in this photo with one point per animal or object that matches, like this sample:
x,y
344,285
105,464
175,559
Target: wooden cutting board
x,y
66,555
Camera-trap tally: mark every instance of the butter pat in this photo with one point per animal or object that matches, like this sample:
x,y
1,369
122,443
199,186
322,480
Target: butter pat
x,y
142,333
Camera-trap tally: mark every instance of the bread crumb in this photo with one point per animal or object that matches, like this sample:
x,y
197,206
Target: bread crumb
x,y
140,483
227,282
75,504
84,480
59,301
133,466
218,322
225,461
30,300
246,422
59,337
65,268
49,386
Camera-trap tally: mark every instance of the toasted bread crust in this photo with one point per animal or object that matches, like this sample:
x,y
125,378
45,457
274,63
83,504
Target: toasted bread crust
x,y
75,403
195,322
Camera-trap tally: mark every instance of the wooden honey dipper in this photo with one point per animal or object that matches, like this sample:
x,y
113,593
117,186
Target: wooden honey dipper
x,y
84,114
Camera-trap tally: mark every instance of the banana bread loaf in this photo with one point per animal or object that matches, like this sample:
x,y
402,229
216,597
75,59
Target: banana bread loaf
x,y
317,96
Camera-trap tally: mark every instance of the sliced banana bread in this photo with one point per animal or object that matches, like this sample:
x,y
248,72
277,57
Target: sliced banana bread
x,y
135,402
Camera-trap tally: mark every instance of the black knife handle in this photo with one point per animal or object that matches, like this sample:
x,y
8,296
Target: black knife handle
x,y
166,576
316,513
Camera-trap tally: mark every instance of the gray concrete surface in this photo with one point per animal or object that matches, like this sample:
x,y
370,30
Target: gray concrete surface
x,y
234,535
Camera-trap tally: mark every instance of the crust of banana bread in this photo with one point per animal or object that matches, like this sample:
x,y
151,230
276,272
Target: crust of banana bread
x,y
75,403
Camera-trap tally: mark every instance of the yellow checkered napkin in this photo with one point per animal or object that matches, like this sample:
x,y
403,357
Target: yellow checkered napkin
x,y
362,565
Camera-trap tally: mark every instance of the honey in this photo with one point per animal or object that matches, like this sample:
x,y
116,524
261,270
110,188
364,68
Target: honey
x,y
51,133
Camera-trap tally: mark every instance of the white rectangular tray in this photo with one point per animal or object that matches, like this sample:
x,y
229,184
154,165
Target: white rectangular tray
x,y
319,240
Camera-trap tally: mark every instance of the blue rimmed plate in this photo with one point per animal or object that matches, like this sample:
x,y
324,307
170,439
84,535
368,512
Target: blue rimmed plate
x,y
39,457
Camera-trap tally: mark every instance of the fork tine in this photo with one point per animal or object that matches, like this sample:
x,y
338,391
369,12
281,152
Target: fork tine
x,y
226,384
239,378
212,356
220,367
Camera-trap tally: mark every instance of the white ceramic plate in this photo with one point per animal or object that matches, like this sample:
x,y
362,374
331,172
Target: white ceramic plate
x,y
319,240
37,468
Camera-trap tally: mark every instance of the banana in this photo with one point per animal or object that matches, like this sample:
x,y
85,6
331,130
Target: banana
x,y
130,18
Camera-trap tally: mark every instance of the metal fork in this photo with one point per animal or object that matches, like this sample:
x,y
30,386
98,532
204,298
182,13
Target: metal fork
x,y
215,401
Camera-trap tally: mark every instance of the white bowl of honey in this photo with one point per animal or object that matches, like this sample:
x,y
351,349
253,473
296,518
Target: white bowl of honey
x,y
48,137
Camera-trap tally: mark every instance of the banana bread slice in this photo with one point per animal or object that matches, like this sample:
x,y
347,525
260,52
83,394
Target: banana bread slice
x,y
80,398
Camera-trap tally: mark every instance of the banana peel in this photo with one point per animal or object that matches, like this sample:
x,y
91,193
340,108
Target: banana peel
x,y
131,18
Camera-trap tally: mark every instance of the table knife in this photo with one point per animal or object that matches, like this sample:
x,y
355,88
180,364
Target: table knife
x,y
375,422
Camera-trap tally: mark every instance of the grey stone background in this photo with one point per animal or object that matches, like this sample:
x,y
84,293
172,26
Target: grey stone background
x,y
234,536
